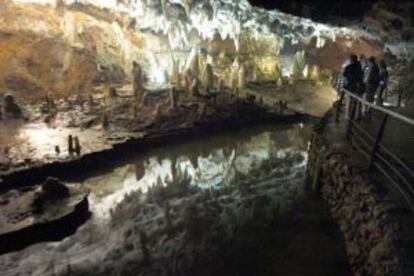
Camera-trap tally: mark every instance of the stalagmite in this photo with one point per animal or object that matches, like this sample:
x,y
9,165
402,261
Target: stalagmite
x,y
135,110
242,77
234,77
57,150
220,85
194,91
157,111
208,77
188,79
71,149
306,72
278,72
105,122
138,88
112,92
298,65
10,108
296,72
173,98
78,147
279,82
175,74
315,74
193,64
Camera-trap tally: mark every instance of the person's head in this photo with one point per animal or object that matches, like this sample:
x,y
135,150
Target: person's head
x,y
353,59
372,59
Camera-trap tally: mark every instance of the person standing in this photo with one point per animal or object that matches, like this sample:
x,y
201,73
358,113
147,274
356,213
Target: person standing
x,y
383,82
353,82
371,80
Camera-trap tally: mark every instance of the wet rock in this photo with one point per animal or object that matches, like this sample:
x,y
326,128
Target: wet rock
x,y
10,108
52,189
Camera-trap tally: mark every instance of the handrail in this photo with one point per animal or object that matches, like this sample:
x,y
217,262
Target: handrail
x,y
382,109
381,158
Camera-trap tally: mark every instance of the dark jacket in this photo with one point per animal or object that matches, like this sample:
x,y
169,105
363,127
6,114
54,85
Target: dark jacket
x,y
353,78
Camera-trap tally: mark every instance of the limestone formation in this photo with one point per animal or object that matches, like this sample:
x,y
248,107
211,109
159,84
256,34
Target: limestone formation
x,y
112,93
57,150
315,73
10,108
193,64
157,111
138,88
194,91
71,148
242,77
105,121
78,147
173,98
208,77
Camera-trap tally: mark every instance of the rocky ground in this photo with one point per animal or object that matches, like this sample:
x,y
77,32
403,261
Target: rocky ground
x,y
371,217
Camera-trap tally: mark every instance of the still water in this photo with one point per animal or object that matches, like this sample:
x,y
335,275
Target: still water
x,y
228,204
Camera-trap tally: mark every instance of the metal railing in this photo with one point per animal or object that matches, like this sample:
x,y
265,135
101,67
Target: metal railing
x,y
379,156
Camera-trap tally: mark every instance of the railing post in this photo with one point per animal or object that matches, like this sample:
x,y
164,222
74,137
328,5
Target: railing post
x,y
353,105
378,141
400,91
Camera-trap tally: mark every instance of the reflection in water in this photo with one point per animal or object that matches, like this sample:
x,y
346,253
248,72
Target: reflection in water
x,y
179,202
210,165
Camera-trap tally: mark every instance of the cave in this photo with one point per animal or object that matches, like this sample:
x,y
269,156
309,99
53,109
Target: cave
x,y
205,137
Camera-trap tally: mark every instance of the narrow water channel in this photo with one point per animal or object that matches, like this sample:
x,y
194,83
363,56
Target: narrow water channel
x,y
229,204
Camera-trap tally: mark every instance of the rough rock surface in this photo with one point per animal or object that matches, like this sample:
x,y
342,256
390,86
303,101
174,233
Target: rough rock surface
x,y
368,221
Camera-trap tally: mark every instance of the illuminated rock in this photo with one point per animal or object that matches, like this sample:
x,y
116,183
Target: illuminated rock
x,y
242,77
193,64
173,98
306,72
138,88
208,77
315,74
194,90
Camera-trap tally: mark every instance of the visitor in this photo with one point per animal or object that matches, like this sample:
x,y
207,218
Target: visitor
x,y
353,82
371,80
383,82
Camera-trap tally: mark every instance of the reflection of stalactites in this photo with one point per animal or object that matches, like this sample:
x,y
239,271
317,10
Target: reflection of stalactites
x,y
188,6
139,170
164,7
194,160
175,171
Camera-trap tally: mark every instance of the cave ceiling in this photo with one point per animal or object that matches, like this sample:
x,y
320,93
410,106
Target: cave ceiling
x,y
60,46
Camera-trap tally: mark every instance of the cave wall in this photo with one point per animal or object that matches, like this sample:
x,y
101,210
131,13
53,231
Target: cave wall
x,y
67,46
